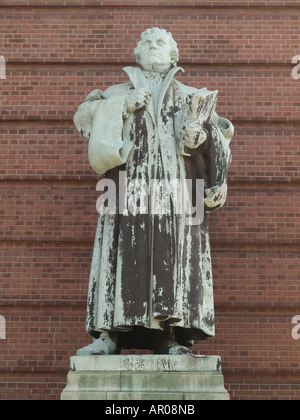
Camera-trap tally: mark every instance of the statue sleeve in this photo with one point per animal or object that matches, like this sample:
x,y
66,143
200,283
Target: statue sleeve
x,y
84,117
102,121
210,161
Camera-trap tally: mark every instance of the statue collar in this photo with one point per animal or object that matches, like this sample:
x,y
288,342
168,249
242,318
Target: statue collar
x,y
138,79
156,76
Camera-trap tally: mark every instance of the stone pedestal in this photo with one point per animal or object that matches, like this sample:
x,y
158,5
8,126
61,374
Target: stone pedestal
x,y
145,377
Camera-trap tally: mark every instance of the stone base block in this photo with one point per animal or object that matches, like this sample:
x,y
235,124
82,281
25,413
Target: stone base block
x,y
145,377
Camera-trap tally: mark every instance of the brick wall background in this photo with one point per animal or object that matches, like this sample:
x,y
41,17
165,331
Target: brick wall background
x,y
57,52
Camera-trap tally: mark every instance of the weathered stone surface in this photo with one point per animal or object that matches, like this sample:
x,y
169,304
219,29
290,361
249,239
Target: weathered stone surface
x,y
145,363
147,377
151,265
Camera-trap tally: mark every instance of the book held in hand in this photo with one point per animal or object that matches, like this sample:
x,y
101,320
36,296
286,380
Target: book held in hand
x,y
200,106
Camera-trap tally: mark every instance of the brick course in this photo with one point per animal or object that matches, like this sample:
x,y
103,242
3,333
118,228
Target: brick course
x,y
58,51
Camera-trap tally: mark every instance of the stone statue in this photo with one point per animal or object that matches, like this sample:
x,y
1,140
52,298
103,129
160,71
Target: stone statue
x,y
151,278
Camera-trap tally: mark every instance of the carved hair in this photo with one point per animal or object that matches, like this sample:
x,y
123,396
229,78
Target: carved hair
x,y
163,33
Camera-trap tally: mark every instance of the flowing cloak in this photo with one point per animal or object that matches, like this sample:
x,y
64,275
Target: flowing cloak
x,y
150,268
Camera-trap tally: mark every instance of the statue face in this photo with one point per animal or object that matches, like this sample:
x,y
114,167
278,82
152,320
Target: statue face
x,y
155,53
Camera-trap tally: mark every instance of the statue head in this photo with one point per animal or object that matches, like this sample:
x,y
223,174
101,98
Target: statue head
x,y
156,51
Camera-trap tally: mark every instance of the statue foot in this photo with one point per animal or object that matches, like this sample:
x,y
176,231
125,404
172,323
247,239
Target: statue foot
x,y
100,347
172,347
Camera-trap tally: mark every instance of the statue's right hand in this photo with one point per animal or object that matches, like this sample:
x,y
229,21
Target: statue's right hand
x,y
138,99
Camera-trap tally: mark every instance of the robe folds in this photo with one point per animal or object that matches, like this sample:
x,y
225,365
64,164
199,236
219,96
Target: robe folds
x,y
152,267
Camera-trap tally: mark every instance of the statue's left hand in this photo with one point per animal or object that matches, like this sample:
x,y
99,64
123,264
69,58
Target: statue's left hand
x,y
193,135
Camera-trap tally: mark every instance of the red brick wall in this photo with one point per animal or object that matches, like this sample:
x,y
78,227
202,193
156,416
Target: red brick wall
x,y
57,52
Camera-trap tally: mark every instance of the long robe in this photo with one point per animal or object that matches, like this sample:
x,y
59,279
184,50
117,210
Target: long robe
x,y
150,268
